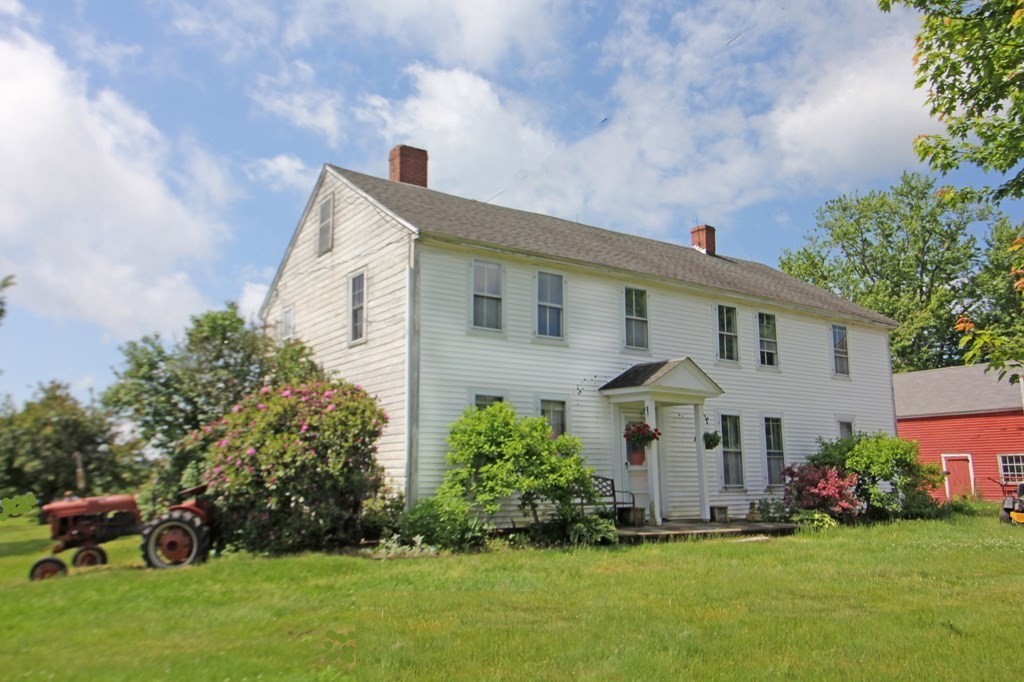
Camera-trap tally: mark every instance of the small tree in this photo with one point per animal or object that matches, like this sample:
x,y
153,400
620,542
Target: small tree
x,y
494,455
289,468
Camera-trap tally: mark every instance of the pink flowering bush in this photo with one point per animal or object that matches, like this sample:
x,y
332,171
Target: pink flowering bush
x,y
821,488
289,468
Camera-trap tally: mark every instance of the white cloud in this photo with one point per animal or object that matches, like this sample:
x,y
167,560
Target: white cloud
x,y
294,96
108,55
283,172
473,33
88,221
251,299
730,106
240,27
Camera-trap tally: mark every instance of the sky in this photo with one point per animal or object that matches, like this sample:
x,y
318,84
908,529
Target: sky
x,y
156,156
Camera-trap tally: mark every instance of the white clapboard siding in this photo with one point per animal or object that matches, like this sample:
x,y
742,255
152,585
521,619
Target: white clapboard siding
x,y
316,288
457,361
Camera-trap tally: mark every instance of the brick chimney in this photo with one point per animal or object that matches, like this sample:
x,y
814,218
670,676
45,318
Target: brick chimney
x,y
702,238
409,165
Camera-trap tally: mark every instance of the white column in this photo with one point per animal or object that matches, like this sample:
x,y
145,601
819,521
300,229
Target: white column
x,y
698,442
653,473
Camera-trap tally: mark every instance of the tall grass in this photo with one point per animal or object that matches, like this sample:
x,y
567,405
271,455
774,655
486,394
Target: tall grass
x,y
910,600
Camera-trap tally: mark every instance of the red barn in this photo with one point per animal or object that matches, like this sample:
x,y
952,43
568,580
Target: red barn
x,y
968,422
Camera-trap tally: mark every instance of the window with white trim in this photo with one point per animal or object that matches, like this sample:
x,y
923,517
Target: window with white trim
x,y
357,315
732,452
554,412
845,429
1011,468
728,335
287,323
482,401
549,305
767,340
840,351
325,238
774,455
487,295
636,318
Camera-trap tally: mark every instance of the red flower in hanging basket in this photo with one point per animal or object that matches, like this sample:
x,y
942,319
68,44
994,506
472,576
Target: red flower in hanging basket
x,y
641,433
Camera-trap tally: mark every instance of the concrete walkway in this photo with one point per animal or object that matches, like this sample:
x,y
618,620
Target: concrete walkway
x,y
691,530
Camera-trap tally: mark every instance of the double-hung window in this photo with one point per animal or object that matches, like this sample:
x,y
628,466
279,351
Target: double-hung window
x,y
732,452
325,239
549,305
554,412
776,459
357,317
767,340
840,351
636,318
487,295
728,336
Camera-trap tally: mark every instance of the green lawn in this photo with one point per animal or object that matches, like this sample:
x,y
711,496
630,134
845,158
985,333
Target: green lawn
x,y
917,600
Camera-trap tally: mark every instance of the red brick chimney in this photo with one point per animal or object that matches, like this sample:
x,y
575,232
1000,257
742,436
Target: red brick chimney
x,y
702,238
409,165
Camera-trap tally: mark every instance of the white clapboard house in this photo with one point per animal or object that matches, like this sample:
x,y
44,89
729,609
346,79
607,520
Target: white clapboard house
x,y
433,302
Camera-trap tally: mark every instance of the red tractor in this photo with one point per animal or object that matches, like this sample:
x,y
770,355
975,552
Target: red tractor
x,y
179,537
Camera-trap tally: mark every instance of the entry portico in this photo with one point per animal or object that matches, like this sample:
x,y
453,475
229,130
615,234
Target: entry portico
x,y
637,395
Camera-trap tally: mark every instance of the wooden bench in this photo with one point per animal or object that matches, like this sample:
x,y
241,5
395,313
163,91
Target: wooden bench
x,y
616,499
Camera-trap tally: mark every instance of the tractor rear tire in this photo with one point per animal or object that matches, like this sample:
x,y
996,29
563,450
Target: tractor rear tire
x,y
89,556
177,538
48,567
1004,515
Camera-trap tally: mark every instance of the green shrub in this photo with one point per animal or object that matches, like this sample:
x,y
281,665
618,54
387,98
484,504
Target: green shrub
x,y
382,515
814,519
773,508
493,456
891,482
444,521
576,529
289,468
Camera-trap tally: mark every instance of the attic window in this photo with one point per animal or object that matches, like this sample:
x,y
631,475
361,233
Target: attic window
x,y
326,235
287,323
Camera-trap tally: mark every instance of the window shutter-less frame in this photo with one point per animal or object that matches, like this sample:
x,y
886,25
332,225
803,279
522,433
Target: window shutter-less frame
x,y
325,239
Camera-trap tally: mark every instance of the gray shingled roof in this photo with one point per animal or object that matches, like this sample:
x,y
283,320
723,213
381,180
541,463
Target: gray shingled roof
x,y
445,216
644,374
953,390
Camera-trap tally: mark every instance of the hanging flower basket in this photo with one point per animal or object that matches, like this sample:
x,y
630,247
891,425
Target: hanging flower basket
x,y
712,439
641,434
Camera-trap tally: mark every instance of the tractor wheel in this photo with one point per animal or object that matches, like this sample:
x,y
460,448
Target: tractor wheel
x,y
49,567
89,556
178,538
1004,515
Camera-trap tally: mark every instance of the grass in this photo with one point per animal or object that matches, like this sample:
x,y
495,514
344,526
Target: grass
x,y
936,599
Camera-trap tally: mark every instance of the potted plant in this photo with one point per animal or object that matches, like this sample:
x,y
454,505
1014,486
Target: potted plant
x,y
641,434
712,439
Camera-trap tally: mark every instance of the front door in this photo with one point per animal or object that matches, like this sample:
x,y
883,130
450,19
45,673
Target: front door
x,y
634,463
958,481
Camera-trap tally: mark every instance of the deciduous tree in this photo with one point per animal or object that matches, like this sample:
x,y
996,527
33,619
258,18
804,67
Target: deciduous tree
x,y
906,253
970,56
170,391
41,444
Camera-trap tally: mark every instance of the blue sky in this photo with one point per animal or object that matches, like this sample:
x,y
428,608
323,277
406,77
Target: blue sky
x,y
157,154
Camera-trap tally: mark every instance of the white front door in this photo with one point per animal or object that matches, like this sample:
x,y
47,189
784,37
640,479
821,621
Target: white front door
x,y
634,460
